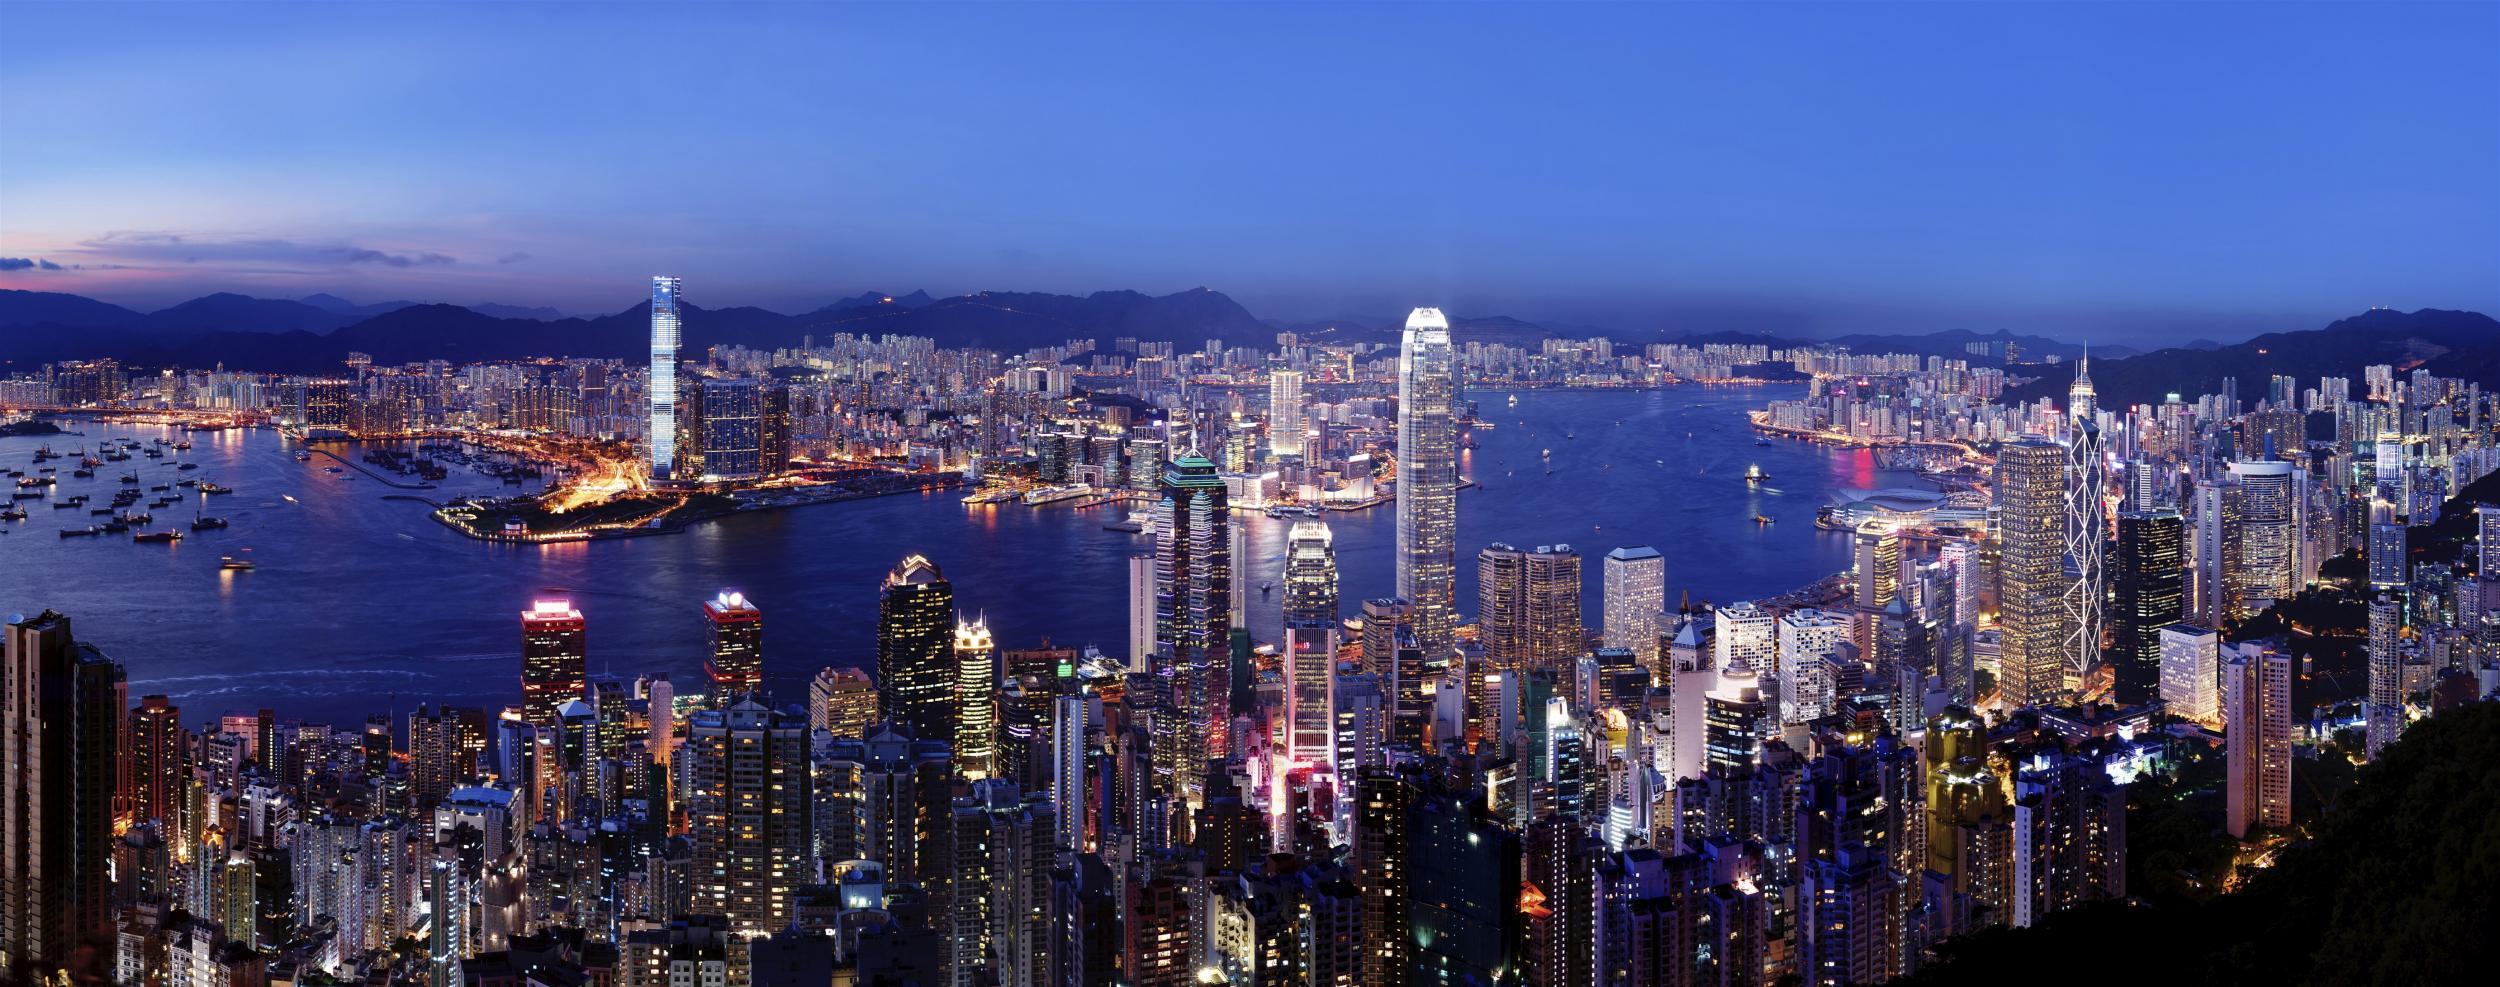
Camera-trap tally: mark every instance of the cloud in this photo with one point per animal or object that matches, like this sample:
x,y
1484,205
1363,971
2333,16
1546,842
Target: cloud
x,y
158,247
514,257
16,263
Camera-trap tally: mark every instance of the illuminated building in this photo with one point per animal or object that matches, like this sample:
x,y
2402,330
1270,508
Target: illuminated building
x,y
2148,593
842,701
2190,657
1427,559
554,657
661,436
160,763
2031,572
2272,505
975,700
2070,836
2386,545
2087,529
1809,653
1310,665
62,713
1463,902
1732,715
1528,607
2383,715
1969,834
1284,413
1636,594
1876,553
736,664
1310,575
2257,739
723,436
1193,620
747,813
915,650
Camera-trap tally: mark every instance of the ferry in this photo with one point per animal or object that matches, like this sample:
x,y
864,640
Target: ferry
x,y
1514,400
211,487
1754,474
167,536
1761,519
231,564
1052,495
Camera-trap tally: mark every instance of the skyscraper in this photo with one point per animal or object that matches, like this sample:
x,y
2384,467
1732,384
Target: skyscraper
x,y
2149,593
160,763
661,436
916,650
975,701
1284,412
61,723
2257,738
736,664
1193,620
2189,655
2272,503
1876,555
2087,528
554,659
1636,594
1428,479
1528,607
2031,571
1310,575
2383,716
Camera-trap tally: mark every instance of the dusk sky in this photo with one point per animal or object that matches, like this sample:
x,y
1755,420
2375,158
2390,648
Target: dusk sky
x,y
2111,171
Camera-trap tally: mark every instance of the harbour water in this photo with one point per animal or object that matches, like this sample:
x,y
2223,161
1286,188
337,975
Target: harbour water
x,y
361,603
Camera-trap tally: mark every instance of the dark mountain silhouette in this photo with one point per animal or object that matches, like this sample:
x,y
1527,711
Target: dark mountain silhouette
x,y
335,305
539,313
875,300
1014,321
1954,343
226,310
36,308
2464,345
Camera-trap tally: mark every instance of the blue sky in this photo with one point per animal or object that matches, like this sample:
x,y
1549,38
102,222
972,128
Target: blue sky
x,y
2118,171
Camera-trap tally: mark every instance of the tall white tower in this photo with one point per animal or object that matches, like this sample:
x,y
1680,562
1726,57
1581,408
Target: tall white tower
x,y
1428,478
662,436
2087,528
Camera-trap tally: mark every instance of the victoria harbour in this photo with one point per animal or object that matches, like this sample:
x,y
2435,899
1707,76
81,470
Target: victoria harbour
x,y
1656,467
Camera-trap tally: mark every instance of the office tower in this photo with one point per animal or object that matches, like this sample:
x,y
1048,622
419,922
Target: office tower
x,y
1310,575
842,702
1962,559
2031,572
1732,716
1636,594
2087,527
747,813
975,698
721,435
2257,739
2189,659
916,650
736,664
1428,479
1193,607
2383,716
661,435
2214,553
1310,664
1876,552
62,713
1284,413
1808,661
554,659
2272,502
1745,635
160,763
1141,611
1528,607
1071,727
2148,593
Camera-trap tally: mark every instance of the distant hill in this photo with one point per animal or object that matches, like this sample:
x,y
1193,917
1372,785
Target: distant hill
x,y
1013,321
1955,343
36,308
539,313
2463,345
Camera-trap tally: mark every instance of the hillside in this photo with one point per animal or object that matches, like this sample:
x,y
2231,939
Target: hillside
x,y
2395,888
2463,345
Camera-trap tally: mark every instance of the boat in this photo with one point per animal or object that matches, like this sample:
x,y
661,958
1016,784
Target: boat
x,y
1760,441
100,511
83,473
1052,495
1755,475
186,482
116,526
303,457
168,536
86,532
27,495
211,487
332,469
1266,588
184,444
141,519
290,498
231,564
1514,400
187,466
1761,519
130,478
206,523
12,513
160,488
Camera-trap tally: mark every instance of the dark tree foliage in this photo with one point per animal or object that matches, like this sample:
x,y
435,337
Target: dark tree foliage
x,y
2401,885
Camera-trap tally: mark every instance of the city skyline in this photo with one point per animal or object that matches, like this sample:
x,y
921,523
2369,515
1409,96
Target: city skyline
x,y
1681,207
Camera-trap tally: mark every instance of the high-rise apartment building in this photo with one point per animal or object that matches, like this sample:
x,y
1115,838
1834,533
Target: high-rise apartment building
x,y
842,702
747,811
2383,715
2257,739
916,650
1636,596
62,709
2031,571
554,659
1284,413
1528,607
1427,559
660,437
736,662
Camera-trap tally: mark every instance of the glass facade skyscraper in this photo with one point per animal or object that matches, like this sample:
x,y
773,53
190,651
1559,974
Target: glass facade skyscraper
x,y
661,437
916,650
1428,478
